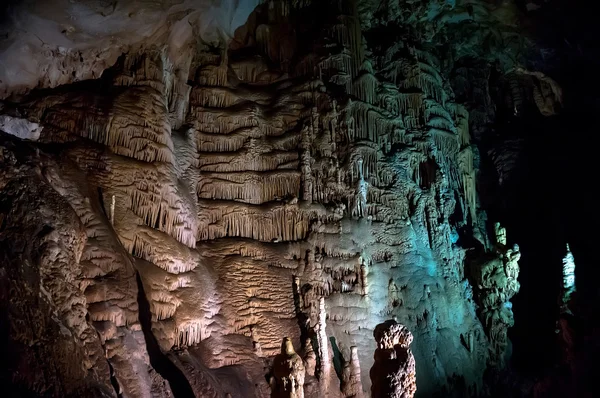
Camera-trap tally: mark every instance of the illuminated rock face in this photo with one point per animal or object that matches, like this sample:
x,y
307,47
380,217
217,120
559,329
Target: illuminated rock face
x,y
568,280
210,201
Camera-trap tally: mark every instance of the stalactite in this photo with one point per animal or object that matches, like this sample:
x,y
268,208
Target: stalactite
x,y
568,281
165,210
446,142
468,177
255,188
307,138
365,166
276,166
213,75
162,310
365,85
282,223
461,117
363,278
190,333
136,125
337,65
173,257
105,312
424,77
213,97
246,160
369,124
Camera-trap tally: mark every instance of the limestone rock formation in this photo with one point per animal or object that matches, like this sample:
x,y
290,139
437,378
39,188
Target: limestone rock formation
x,y
393,373
495,282
288,373
351,381
568,280
207,180
43,307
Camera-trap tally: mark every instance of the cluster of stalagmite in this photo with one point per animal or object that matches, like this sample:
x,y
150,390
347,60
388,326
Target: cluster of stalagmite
x,y
495,282
288,373
393,373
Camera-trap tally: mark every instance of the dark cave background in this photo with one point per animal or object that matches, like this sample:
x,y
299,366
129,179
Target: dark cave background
x,y
550,197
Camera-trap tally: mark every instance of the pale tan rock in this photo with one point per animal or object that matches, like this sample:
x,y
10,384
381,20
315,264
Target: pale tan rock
x,y
351,380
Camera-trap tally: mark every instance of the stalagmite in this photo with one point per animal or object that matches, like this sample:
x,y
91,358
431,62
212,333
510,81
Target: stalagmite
x,y
393,372
288,373
568,280
351,382
511,269
310,358
112,210
363,278
495,283
323,342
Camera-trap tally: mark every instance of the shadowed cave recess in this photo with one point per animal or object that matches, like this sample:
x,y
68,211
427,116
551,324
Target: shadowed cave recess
x,y
297,198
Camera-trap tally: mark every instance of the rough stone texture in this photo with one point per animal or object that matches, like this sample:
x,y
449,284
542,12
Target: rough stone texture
x,y
48,346
288,373
304,179
351,381
494,278
393,373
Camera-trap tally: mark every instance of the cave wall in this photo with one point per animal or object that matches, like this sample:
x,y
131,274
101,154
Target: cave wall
x,y
309,178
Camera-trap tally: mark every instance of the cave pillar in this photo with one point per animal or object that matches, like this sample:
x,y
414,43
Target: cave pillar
x,y
393,373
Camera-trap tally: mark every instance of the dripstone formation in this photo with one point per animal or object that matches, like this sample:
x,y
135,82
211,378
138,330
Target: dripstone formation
x,y
495,283
166,223
393,372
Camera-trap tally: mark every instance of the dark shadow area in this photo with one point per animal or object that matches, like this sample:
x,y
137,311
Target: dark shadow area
x,y
160,362
338,358
113,380
551,199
